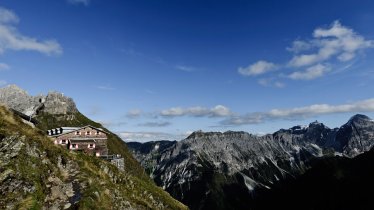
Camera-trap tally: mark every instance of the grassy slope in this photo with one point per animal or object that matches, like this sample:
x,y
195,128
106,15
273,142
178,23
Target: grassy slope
x,y
103,189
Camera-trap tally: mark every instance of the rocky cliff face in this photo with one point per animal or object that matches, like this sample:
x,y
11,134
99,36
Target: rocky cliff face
x,y
53,103
206,167
149,153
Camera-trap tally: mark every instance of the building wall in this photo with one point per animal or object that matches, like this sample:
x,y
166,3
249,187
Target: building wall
x,y
83,146
101,144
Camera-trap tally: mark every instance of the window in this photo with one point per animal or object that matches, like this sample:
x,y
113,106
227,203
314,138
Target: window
x,y
91,146
63,141
97,133
78,133
74,146
88,133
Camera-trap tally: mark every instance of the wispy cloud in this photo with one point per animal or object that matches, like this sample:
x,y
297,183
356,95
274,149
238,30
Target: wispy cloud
x,y
310,73
112,124
159,60
105,87
4,66
77,2
186,68
144,136
3,82
197,111
271,82
134,113
300,112
258,68
154,124
315,57
11,39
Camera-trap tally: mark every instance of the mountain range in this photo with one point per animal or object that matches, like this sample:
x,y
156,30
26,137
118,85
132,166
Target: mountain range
x,y
214,170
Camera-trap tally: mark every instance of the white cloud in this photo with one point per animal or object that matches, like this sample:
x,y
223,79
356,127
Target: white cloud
x,y
155,124
144,136
260,67
11,39
310,73
300,112
197,111
335,41
299,46
7,16
313,58
270,82
4,66
76,2
220,110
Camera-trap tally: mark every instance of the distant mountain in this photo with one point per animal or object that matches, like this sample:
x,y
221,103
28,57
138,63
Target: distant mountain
x,y
149,153
36,174
214,170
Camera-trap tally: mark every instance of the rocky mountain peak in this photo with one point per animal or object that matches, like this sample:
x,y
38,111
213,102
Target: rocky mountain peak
x,y
316,124
57,103
359,118
13,88
18,99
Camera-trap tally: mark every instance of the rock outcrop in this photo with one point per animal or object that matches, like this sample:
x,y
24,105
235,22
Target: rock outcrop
x,y
53,103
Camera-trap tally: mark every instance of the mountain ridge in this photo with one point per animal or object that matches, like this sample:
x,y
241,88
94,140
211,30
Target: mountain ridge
x,y
198,169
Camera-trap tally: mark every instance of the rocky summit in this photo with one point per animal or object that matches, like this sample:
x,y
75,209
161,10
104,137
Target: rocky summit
x,y
53,103
214,170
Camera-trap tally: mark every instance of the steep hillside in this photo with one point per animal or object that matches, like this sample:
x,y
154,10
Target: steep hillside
x,y
214,170
35,173
56,110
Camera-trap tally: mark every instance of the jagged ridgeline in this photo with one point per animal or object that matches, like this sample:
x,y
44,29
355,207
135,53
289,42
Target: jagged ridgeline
x,y
214,170
36,174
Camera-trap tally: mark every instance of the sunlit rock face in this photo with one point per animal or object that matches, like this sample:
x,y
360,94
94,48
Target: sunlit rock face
x,y
207,166
53,103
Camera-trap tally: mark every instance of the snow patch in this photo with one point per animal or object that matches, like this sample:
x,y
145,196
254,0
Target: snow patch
x,y
249,183
319,150
157,147
296,148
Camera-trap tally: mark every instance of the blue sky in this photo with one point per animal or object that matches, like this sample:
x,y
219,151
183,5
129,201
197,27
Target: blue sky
x,y
160,69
